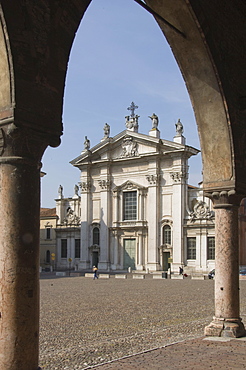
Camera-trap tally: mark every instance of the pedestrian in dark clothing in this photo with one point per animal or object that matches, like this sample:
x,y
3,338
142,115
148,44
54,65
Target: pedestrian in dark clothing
x,y
95,272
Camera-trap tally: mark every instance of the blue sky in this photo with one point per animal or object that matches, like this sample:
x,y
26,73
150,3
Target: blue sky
x,y
119,55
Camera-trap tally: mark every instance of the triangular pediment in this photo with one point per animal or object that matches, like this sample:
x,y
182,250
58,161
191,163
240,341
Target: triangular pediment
x,y
128,145
128,185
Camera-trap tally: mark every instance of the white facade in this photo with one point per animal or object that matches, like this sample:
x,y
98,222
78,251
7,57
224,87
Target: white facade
x,y
135,208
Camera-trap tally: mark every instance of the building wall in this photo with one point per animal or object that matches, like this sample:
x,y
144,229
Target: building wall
x,y
47,241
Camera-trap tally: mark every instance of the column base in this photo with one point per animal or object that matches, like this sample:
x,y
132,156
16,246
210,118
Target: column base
x,y
220,327
139,267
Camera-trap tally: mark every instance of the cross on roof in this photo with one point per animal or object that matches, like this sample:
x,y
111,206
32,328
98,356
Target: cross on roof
x,y
132,109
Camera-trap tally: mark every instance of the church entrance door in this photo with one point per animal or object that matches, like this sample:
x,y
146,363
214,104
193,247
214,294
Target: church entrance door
x,y
129,253
95,259
165,263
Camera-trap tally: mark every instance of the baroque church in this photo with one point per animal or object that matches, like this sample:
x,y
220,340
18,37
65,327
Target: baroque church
x,y
133,207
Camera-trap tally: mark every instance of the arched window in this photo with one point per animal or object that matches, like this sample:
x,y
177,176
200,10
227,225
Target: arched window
x,y
167,236
96,236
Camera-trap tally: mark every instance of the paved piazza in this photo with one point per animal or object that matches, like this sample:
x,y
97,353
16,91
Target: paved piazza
x,y
86,322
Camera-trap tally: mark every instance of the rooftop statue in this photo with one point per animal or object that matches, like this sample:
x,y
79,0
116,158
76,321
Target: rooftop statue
x,y
106,129
86,144
179,128
60,191
155,120
76,190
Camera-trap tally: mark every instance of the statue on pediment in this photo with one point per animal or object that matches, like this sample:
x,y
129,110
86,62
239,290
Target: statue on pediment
x,y
86,143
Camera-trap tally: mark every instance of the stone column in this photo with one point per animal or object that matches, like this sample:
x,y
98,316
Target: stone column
x,y
226,322
19,248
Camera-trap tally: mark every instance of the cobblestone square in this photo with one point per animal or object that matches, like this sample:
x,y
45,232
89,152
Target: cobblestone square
x,y
85,322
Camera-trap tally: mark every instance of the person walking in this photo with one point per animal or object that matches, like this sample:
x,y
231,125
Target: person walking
x,y
95,272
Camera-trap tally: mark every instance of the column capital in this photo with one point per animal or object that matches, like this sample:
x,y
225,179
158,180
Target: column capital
x,y
21,144
225,198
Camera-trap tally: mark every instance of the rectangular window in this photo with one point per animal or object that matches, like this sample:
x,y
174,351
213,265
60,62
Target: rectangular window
x,y
63,248
191,248
48,233
77,248
211,247
129,205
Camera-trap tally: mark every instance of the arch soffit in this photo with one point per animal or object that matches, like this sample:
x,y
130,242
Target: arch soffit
x,y
204,87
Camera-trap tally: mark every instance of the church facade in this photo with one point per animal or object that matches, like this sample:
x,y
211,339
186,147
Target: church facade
x,y
135,208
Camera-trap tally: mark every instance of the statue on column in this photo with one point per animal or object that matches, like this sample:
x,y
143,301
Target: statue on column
x,y
155,121
179,128
60,192
106,129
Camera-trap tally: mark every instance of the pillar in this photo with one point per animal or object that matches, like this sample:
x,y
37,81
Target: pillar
x,y
19,248
226,322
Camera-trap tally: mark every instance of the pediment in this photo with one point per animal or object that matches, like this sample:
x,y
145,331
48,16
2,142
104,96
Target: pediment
x,y
128,185
127,145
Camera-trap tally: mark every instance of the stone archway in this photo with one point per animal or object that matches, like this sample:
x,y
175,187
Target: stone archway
x,y
36,39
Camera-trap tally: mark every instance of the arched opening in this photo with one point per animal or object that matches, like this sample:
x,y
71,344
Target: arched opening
x,y
135,63
41,37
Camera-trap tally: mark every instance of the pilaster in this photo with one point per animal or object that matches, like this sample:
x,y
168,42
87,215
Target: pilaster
x,y
105,221
179,176
85,186
153,212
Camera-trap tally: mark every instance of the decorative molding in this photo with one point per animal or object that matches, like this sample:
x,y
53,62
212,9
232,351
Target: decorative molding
x,y
153,179
129,148
166,221
128,185
104,184
85,185
201,212
177,176
71,218
94,248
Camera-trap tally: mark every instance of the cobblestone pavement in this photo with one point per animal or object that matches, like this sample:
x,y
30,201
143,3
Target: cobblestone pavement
x,y
86,322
